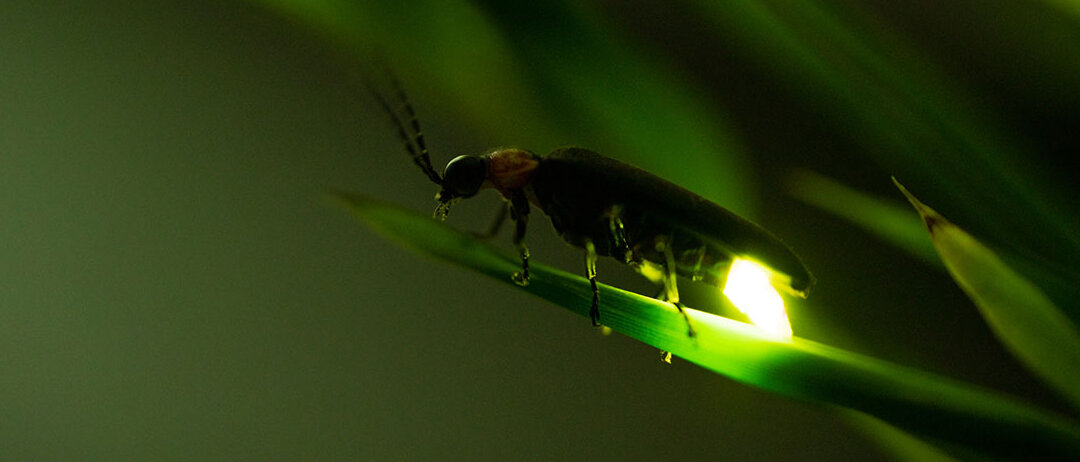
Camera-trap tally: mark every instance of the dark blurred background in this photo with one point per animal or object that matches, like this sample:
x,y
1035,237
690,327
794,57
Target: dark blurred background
x,y
175,284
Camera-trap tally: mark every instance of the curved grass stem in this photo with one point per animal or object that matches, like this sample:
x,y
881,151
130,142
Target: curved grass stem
x,y
942,410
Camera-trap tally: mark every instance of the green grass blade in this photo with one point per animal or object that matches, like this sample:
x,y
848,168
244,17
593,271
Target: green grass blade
x,y
908,115
898,443
505,66
1067,6
1020,314
884,219
894,224
933,407
450,57
648,116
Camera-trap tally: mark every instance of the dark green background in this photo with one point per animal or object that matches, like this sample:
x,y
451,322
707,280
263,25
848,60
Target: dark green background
x,y
174,284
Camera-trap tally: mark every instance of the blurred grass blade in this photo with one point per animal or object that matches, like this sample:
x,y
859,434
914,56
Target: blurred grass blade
x,y
908,114
1071,7
616,97
884,219
936,408
898,443
545,74
448,54
894,224
1020,314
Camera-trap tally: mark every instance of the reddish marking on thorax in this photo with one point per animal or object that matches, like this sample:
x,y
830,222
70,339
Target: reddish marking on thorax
x,y
511,169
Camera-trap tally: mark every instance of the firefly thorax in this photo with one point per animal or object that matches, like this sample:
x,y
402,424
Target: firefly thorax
x,y
505,169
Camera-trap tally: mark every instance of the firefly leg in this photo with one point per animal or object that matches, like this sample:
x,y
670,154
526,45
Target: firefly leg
x,y
618,232
500,218
701,251
590,272
655,274
519,212
671,291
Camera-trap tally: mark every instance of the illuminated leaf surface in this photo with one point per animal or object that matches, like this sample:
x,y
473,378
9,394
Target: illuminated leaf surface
x,y
930,406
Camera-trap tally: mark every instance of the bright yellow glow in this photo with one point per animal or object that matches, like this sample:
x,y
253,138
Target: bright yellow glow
x,y
748,289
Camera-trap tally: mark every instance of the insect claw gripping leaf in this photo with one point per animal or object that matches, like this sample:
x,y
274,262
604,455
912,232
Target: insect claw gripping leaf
x,y
590,272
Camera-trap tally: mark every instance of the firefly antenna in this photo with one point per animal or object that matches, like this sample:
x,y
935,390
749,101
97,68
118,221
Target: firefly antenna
x,y
414,145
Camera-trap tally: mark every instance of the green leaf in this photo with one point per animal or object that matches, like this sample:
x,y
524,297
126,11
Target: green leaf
x,y
1020,314
907,114
894,224
934,407
884,219
898,443
539,75
648,116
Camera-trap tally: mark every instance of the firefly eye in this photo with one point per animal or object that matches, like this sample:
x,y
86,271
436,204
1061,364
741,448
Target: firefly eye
x,y
464,175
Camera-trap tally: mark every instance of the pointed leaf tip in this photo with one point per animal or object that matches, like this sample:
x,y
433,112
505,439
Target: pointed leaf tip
x,y
930,217
1023,318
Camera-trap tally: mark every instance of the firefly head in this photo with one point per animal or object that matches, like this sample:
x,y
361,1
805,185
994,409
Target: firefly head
x,y
463,176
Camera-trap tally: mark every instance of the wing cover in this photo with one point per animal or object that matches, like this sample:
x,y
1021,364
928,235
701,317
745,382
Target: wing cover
x,y
576,187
